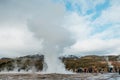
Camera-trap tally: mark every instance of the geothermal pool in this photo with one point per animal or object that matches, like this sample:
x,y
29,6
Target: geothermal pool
x,y
56,76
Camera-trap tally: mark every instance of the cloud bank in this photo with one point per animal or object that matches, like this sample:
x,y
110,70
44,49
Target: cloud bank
x,y
95,33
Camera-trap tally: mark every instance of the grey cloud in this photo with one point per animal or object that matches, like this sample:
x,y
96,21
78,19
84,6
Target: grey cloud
x,y
19,14
12,10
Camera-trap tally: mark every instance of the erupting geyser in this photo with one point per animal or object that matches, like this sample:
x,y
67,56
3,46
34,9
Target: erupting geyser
x,y
118,59
108,62
55,38
53,64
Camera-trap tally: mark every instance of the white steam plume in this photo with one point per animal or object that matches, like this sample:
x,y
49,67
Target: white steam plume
x,y
55,39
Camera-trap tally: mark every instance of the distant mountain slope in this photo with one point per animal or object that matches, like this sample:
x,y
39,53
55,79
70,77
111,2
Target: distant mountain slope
x,y
71,62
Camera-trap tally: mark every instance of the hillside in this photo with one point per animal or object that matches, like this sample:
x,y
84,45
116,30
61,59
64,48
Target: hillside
x,y
71,62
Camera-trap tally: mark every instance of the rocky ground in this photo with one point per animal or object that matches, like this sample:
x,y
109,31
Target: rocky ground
x,y
54,76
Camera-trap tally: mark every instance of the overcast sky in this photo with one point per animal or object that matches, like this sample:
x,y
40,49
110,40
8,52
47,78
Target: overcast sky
x,y
86,27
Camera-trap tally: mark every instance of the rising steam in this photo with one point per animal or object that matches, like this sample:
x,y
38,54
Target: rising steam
x,y
55,39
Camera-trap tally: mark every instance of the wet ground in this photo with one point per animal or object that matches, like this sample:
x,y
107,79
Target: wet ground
x,y
54,76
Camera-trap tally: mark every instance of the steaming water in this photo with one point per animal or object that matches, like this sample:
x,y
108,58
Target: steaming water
x,y
118,59
52,63
108,62
15,66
